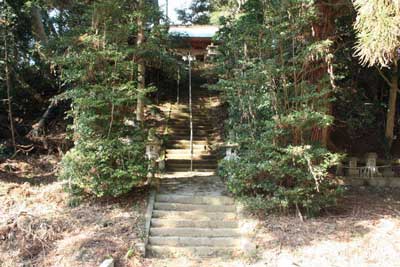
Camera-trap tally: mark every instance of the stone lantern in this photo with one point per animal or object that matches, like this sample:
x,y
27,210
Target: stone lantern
x,y
153,148
231,151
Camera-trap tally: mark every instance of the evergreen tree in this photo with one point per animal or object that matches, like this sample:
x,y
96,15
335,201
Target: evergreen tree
x,y
197,13
277,106
105,68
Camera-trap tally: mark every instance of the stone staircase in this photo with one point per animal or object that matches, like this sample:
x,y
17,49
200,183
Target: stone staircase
x,y
193,215
204,135
193,226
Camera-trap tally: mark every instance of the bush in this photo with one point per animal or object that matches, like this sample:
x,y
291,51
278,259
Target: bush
x,y
104,167
276,179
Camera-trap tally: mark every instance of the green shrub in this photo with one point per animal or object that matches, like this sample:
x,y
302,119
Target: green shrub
x,y
104,167
276,179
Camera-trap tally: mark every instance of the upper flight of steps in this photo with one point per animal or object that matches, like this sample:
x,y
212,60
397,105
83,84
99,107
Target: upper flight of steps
x,y
204,135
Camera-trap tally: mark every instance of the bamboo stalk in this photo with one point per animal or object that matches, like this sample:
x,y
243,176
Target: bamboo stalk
x,y
9,98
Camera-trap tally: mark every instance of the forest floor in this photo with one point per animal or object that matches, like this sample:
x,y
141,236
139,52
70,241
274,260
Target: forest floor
x,y
41,226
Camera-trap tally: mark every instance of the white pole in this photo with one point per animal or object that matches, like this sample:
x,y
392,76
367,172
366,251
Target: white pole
x,y
177,89
190,112
166,11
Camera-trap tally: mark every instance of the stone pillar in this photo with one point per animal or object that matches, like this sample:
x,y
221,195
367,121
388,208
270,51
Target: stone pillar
x,y
370,163
353,170
339,169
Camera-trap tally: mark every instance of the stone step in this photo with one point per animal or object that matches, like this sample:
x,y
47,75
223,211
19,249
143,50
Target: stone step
x,y
187,156
186,115
208,166
194,232
193,215
198,162
203,146
170,175
186,151
196,167
190,252
186,126
196,142
199,150
186,123
193,207
195,120
212,200
193,223
186,132
177,169
181,137
175,241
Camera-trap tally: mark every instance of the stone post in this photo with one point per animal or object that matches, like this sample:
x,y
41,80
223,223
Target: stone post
x,y
353,171
339,169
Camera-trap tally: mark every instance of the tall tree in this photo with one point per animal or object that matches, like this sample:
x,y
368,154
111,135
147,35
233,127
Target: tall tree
x,y
103,59
274,75
141,66
7,21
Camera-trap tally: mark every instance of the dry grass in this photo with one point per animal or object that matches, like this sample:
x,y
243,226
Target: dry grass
x,y
38,226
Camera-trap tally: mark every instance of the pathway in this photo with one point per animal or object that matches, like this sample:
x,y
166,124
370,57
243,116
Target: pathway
x,y
193,216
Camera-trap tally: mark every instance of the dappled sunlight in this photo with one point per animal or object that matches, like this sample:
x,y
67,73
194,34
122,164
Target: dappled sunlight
x,y
365,233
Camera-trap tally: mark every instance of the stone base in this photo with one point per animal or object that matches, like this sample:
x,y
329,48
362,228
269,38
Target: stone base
x,y
372,181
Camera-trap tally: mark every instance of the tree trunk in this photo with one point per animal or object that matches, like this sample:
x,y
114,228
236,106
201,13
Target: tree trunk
x,y
38,127
37,25
324,28
141,67
391,112
9,98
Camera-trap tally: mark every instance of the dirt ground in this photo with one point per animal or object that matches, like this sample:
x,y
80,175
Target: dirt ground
x,y
41,226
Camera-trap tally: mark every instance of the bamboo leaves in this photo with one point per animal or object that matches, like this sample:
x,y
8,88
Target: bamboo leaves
x,y
378,31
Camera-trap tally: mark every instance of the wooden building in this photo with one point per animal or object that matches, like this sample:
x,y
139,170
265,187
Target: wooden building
x,y
196,39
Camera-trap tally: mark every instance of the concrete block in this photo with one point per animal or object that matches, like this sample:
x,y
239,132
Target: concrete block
x,y
107,263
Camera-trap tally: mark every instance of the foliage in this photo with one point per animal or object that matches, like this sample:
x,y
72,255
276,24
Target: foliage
x,y
267,62
377,28
105,167
109,153
378,31
197,13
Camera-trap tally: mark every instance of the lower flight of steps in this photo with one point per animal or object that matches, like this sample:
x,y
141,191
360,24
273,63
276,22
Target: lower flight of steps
x,y
193,226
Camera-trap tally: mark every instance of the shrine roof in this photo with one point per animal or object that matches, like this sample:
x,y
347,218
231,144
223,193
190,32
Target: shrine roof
x,y
194,31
